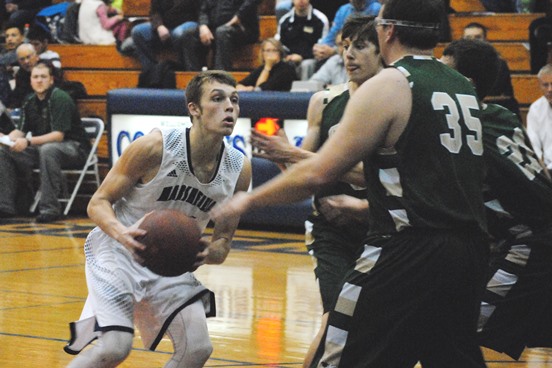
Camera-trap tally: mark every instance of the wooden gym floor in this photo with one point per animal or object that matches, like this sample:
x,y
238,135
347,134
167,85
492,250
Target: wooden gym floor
x,y
267,300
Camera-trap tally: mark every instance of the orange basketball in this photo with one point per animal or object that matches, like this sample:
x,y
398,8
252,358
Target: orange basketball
x,y
172,242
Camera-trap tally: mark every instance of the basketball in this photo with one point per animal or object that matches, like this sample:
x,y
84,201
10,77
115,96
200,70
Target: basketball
x,y
172,242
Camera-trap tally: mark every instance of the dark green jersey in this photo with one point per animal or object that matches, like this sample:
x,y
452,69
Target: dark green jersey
x,y
518,194
331,116
432,178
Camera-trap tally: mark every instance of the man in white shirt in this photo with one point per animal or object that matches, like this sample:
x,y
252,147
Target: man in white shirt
x,y
539,118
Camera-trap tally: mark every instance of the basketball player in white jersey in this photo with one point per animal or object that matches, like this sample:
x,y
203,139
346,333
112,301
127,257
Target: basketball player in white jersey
x,y
188,169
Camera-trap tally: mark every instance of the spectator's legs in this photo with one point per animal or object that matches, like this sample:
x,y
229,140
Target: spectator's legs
x,y
281,8
540,33
226,39
144,37
180,35
306,69
12,165
499,6
193,52
51,156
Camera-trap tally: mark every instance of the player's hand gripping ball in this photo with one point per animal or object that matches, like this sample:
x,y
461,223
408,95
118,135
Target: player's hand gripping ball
x,y
172,242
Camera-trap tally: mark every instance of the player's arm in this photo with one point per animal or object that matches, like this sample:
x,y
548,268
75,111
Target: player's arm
x,y
370,122
139,163
224,228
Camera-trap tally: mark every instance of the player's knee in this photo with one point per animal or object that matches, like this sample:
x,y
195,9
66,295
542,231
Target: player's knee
x,y
115,347
194,355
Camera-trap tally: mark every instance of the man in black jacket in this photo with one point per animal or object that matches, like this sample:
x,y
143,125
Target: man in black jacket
x,y
224,25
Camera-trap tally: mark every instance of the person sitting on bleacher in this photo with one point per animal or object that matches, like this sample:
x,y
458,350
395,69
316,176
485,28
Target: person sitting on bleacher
x,y
170,22
49,133
539,118
275,74
101,24
40,39
14,37
327,46
503,92
224,26
333,71
8,59
298,31
27,58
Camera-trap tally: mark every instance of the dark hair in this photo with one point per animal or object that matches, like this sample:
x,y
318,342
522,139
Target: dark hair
x,y
477,60
38,33
194,89
14,25
477,25
45,64
421,12
361,28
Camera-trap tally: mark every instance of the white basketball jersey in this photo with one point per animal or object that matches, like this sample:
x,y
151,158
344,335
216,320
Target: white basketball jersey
x,y
176,187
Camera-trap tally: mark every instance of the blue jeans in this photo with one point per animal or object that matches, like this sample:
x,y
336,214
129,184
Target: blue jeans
x,y
147,42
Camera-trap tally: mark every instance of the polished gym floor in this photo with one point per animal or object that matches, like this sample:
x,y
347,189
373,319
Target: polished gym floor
x,y
267,300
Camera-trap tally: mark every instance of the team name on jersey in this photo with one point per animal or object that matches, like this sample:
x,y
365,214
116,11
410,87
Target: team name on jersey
x,y
187,194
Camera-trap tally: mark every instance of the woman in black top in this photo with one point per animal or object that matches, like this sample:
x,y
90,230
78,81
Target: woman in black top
x,y
274,74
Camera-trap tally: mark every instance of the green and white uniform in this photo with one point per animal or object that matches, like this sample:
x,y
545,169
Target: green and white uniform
x,y
414,293
334,248
518,197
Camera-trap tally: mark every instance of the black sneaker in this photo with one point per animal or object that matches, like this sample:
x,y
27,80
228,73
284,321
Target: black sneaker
x,y
44,218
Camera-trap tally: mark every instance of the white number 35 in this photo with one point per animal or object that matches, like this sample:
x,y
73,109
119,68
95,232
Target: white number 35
x,y
453,140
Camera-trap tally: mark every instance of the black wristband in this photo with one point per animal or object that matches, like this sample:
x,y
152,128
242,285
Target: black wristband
x,y
28,141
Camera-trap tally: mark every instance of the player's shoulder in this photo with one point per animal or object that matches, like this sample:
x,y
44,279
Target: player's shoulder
x,y
321,98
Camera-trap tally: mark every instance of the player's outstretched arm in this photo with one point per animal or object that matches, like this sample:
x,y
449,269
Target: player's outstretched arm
x,y
225,227
370,122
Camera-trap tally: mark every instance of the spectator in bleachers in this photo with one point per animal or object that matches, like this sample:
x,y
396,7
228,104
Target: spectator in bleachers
x,y
170,22
275,74
327,46
329,8
40,39
298,31
49,134
539,118
8,59
27,59
101,24
503,92
22,12
540,37
333,71
14,37
224,26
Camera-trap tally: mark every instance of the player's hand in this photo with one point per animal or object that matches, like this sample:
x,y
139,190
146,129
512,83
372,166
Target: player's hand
x,y
342,209
130,238
233,207
202,256
275,148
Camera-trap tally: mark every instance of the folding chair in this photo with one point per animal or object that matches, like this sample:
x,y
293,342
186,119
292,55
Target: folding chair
x,y
94,128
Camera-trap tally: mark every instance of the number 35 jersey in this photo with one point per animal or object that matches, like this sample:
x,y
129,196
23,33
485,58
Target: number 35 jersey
x,y
432,178
518,192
